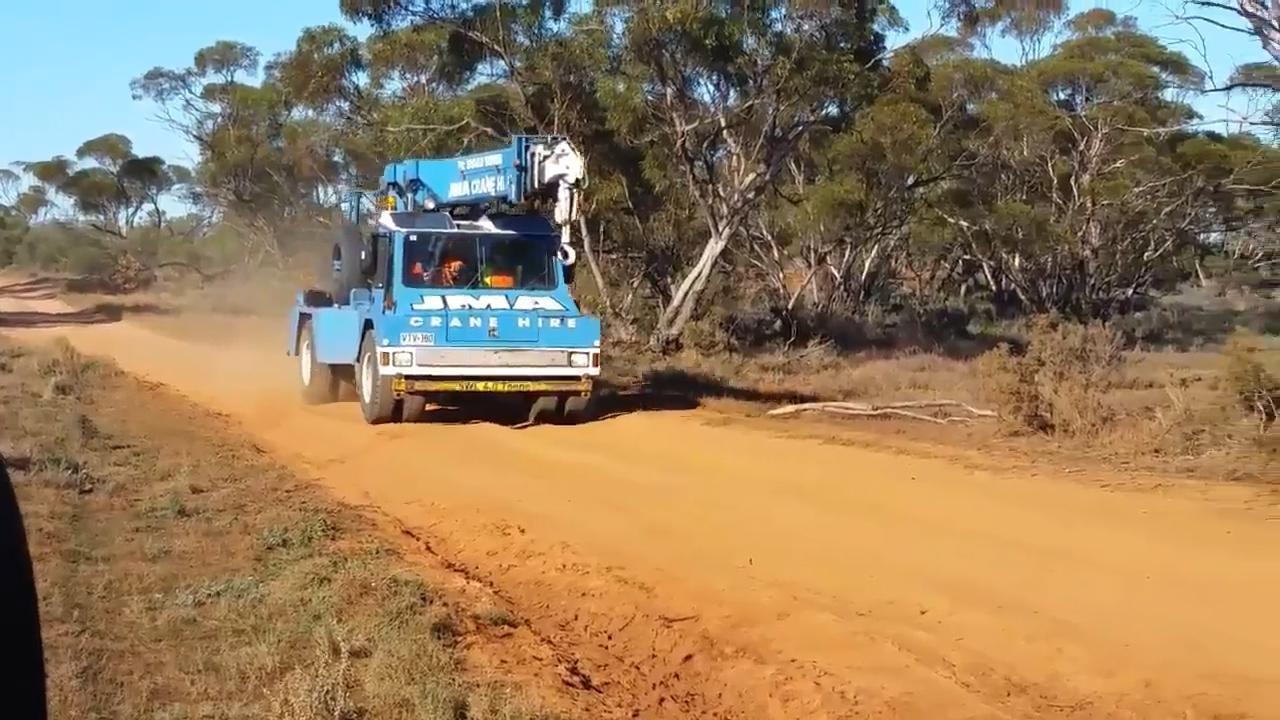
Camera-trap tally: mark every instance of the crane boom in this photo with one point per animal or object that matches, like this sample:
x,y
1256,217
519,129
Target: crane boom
x,y
531,166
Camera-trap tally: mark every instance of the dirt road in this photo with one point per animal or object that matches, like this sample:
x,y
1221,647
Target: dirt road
x,y
674,567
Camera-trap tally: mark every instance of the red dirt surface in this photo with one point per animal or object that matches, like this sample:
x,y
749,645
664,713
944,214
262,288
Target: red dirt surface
x,y
666,567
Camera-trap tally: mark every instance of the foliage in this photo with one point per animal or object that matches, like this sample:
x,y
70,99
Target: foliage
x,y
1061,382
112,192
265,162
763,172
1253,377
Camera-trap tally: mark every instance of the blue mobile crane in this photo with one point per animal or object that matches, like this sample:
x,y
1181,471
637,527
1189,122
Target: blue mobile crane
x,y
450,283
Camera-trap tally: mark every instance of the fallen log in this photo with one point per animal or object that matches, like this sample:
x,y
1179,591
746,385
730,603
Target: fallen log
x,y
897,409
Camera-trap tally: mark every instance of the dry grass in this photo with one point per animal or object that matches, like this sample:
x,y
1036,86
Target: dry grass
x,y
818,373
1083,399
1253,376
183,575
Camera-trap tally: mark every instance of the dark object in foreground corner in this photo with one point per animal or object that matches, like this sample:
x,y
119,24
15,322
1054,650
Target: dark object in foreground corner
x,y
23,685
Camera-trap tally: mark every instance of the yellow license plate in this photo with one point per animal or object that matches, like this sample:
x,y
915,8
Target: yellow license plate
x,y
498,386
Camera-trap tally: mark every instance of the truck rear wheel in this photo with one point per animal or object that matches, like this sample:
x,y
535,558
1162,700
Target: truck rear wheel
x,y
377,401
319,382
544,409
412,408
578,409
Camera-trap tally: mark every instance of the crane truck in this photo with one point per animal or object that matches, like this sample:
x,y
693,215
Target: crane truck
x,y
450,285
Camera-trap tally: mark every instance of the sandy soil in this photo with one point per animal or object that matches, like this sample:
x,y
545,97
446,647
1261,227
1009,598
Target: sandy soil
x,y
671,567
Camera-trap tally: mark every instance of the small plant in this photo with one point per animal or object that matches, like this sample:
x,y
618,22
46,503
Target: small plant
x,y
403,595
66,369
324,689
444,629
172,507
236,589
127,274
302,534
1062,381
495,616
1252,379
8,355
63,468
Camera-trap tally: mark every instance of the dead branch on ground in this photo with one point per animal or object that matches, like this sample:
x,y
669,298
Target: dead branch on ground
x,y
897,409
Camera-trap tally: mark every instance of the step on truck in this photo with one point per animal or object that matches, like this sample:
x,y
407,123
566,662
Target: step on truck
x,y
450,287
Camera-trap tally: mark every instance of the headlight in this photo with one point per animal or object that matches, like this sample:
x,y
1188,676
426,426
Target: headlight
x,y
402,359
579,360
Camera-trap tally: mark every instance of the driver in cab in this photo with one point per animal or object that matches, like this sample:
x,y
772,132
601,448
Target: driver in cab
x,y
447,274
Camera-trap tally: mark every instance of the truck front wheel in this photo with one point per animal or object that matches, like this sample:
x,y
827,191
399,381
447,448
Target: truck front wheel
x,y
319,383
377,401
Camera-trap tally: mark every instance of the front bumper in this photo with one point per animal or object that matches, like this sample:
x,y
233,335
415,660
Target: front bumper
x,y
495,363
488,370
402,384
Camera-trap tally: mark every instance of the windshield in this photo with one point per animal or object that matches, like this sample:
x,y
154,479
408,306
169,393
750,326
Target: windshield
x,y
472,261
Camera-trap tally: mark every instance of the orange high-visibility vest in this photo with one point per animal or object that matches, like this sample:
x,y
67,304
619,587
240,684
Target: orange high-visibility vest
x,y
500,280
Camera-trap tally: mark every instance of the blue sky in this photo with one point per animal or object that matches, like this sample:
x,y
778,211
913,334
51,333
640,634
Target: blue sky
x,y
67,63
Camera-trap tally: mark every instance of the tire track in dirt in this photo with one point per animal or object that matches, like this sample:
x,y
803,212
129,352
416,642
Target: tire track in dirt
x,y
699,571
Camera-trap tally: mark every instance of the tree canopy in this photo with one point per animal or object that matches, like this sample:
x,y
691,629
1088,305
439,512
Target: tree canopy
x,y
776,168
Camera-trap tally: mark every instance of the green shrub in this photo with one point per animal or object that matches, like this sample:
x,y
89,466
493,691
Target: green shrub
x,y
1061,383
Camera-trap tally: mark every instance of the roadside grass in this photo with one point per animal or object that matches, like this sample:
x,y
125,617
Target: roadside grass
x,y
183,574
1206,412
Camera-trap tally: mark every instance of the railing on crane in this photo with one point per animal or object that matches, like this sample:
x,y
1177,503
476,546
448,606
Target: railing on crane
x,y
531,167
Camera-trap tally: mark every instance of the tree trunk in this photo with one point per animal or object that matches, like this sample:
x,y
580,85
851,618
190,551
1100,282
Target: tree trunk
x,y
685,300
1265,22
594,264
623,324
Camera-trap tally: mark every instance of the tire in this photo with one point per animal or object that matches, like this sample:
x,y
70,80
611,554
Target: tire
x,y
377,402
319,383
545,408
578,409
412,408
346,375
350,254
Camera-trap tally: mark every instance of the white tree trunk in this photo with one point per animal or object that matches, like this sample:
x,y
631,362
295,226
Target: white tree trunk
x,y
1264,17
685,300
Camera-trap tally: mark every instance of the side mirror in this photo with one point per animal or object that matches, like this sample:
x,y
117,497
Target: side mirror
x,y
569,272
